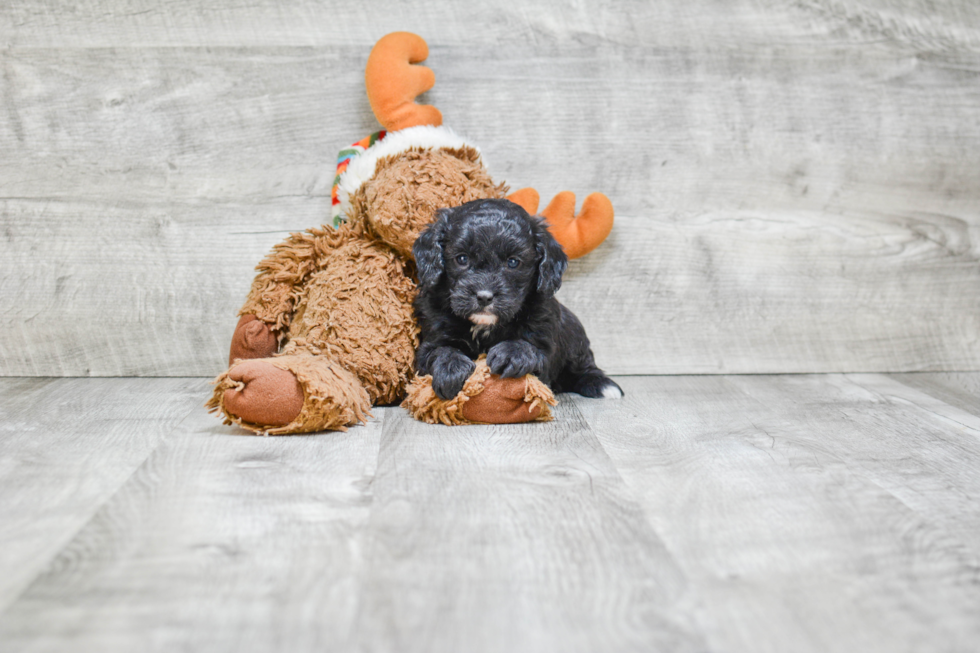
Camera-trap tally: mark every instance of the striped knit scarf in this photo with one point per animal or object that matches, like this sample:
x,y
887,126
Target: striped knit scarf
x,y
347,155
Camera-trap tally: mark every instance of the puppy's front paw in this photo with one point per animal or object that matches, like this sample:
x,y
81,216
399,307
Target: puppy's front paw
x,y
514,358
449,373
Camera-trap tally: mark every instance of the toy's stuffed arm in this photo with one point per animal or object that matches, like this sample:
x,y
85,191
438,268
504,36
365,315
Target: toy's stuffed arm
x,y
286,266
253,338
579,234
268,311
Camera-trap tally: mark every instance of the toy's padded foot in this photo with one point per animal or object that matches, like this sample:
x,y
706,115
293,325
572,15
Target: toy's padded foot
x,y
264,394
501,402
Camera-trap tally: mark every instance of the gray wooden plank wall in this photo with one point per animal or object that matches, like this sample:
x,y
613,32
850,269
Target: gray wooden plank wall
x,y
797,182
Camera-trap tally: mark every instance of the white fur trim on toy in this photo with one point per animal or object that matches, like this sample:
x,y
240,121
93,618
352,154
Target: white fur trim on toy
x,y
363,166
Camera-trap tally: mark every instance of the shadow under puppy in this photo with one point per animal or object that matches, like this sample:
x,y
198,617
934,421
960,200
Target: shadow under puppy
x,y
488,273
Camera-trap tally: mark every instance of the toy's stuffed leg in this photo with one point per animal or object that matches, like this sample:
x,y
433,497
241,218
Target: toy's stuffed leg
x,y
294,393
485,399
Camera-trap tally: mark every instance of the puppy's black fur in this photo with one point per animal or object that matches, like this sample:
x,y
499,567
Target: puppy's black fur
x,y
488,273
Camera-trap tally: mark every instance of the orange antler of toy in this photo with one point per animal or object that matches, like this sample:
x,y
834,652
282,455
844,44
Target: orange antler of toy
x,y
393,82
580,234
527,198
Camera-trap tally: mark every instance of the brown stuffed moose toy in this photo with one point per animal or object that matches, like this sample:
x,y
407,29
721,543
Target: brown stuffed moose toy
x,y
327,330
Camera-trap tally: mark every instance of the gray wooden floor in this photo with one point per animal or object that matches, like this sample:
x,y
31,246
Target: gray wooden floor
x,y
718,513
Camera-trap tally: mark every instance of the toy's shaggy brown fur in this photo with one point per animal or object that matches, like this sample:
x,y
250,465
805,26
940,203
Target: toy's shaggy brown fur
x,y
340,300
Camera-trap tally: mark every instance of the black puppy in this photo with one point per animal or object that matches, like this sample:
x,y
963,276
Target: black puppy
x,y
488,273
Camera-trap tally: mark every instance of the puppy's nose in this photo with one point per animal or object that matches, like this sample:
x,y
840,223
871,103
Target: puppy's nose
x,y
484,297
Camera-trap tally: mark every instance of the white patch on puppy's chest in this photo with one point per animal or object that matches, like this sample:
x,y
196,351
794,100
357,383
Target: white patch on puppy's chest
x,y
480,331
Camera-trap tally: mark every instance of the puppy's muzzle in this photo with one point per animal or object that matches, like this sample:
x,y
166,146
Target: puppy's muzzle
x,y
483,316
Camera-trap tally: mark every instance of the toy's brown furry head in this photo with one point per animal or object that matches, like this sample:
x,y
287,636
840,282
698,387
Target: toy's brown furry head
x,y
407,189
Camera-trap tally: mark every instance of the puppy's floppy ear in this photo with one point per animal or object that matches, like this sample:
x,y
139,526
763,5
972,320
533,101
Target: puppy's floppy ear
x,y
552,260
428,247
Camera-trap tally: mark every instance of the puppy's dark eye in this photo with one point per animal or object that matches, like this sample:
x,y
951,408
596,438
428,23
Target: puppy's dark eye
x,y
513,262
462,259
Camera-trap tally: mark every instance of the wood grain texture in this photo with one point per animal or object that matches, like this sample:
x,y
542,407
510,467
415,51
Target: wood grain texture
x,y
795,182
716,294
514,538
790,292
702,513
811,513
61,23
66,446
219,542
160,308
959,389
